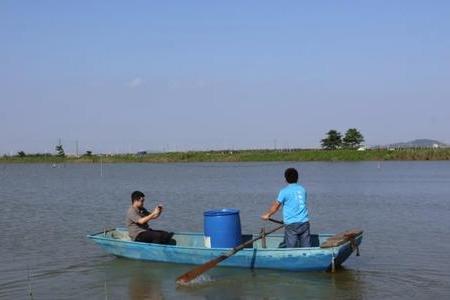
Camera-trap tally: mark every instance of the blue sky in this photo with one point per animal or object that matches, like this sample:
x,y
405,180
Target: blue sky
x,y
120,76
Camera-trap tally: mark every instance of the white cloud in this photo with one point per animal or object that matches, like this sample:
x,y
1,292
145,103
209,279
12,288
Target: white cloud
x,y
134,83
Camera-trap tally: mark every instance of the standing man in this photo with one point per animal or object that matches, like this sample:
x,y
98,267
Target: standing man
x,y
137,222
293,198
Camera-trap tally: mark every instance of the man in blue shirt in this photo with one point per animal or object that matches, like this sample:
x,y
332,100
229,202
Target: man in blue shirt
x,y
293,198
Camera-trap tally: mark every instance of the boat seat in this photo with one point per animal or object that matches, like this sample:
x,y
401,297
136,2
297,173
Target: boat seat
x,y
341,238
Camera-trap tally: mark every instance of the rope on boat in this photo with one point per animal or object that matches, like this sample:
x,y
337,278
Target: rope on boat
x,y
333,267
354,246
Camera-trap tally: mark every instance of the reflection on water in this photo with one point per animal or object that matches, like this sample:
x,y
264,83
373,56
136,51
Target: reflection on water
x,y
148,280
402,206
144,284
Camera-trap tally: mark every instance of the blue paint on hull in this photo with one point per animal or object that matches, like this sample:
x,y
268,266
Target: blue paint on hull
x,y
190,250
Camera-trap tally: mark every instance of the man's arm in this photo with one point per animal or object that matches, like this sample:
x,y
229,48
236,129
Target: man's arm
x,y
153,215
272,210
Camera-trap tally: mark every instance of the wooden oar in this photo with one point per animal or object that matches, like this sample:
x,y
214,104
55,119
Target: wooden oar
x,y
197,271
276,221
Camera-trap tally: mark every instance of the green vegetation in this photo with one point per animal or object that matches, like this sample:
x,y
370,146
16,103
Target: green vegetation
x,y
353,139
241,156
60,150
332,141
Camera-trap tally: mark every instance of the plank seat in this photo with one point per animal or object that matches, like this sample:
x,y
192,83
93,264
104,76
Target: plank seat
x,y
341,238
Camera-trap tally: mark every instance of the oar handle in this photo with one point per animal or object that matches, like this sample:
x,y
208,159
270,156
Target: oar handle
x,y
276,221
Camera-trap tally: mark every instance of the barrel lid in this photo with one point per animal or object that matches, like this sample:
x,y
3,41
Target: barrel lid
x,y
221,212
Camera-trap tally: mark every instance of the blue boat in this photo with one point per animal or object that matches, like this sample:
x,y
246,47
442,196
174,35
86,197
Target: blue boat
x,y
328,251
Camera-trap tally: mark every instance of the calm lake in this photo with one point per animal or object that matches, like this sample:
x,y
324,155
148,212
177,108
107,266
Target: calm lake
x,y
46,213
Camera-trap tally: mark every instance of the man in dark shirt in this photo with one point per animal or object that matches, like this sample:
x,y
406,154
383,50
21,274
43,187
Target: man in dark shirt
x,y
137,222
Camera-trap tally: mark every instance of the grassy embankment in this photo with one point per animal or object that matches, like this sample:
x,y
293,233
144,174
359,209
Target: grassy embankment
x,y
244,156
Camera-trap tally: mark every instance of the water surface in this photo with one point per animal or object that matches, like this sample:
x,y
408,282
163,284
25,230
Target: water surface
x,y
46,212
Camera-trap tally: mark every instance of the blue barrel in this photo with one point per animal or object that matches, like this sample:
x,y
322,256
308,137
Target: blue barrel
x,y
222,228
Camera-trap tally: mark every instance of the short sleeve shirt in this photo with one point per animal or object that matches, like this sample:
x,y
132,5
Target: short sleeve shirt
x,y
294,200
134,228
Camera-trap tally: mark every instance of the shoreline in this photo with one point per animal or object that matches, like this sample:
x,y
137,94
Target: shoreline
x,y
243,156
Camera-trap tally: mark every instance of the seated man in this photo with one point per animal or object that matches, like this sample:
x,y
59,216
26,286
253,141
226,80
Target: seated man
x,y
137,222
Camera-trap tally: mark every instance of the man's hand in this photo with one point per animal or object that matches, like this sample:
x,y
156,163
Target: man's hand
x,y
157,211
272,210
265,216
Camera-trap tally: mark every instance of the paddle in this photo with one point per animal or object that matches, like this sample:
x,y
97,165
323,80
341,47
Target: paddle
x,y
276,221
197,271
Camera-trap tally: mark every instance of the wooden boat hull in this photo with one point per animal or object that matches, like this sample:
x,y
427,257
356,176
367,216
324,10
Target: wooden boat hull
x,y
190,249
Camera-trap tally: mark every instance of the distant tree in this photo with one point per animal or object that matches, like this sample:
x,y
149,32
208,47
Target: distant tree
x,y
88,153
332,141
21,154
352,139
60,150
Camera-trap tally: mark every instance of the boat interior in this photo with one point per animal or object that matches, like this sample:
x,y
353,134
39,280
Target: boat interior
x,y
198,240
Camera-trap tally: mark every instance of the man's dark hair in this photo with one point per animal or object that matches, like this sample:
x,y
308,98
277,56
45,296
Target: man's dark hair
x,y
291,175
136,195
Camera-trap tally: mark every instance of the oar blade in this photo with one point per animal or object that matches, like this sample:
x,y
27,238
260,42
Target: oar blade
x,y
194,273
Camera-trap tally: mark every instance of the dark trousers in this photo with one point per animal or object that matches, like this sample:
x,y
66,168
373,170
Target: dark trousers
x,y
296,235
155,236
